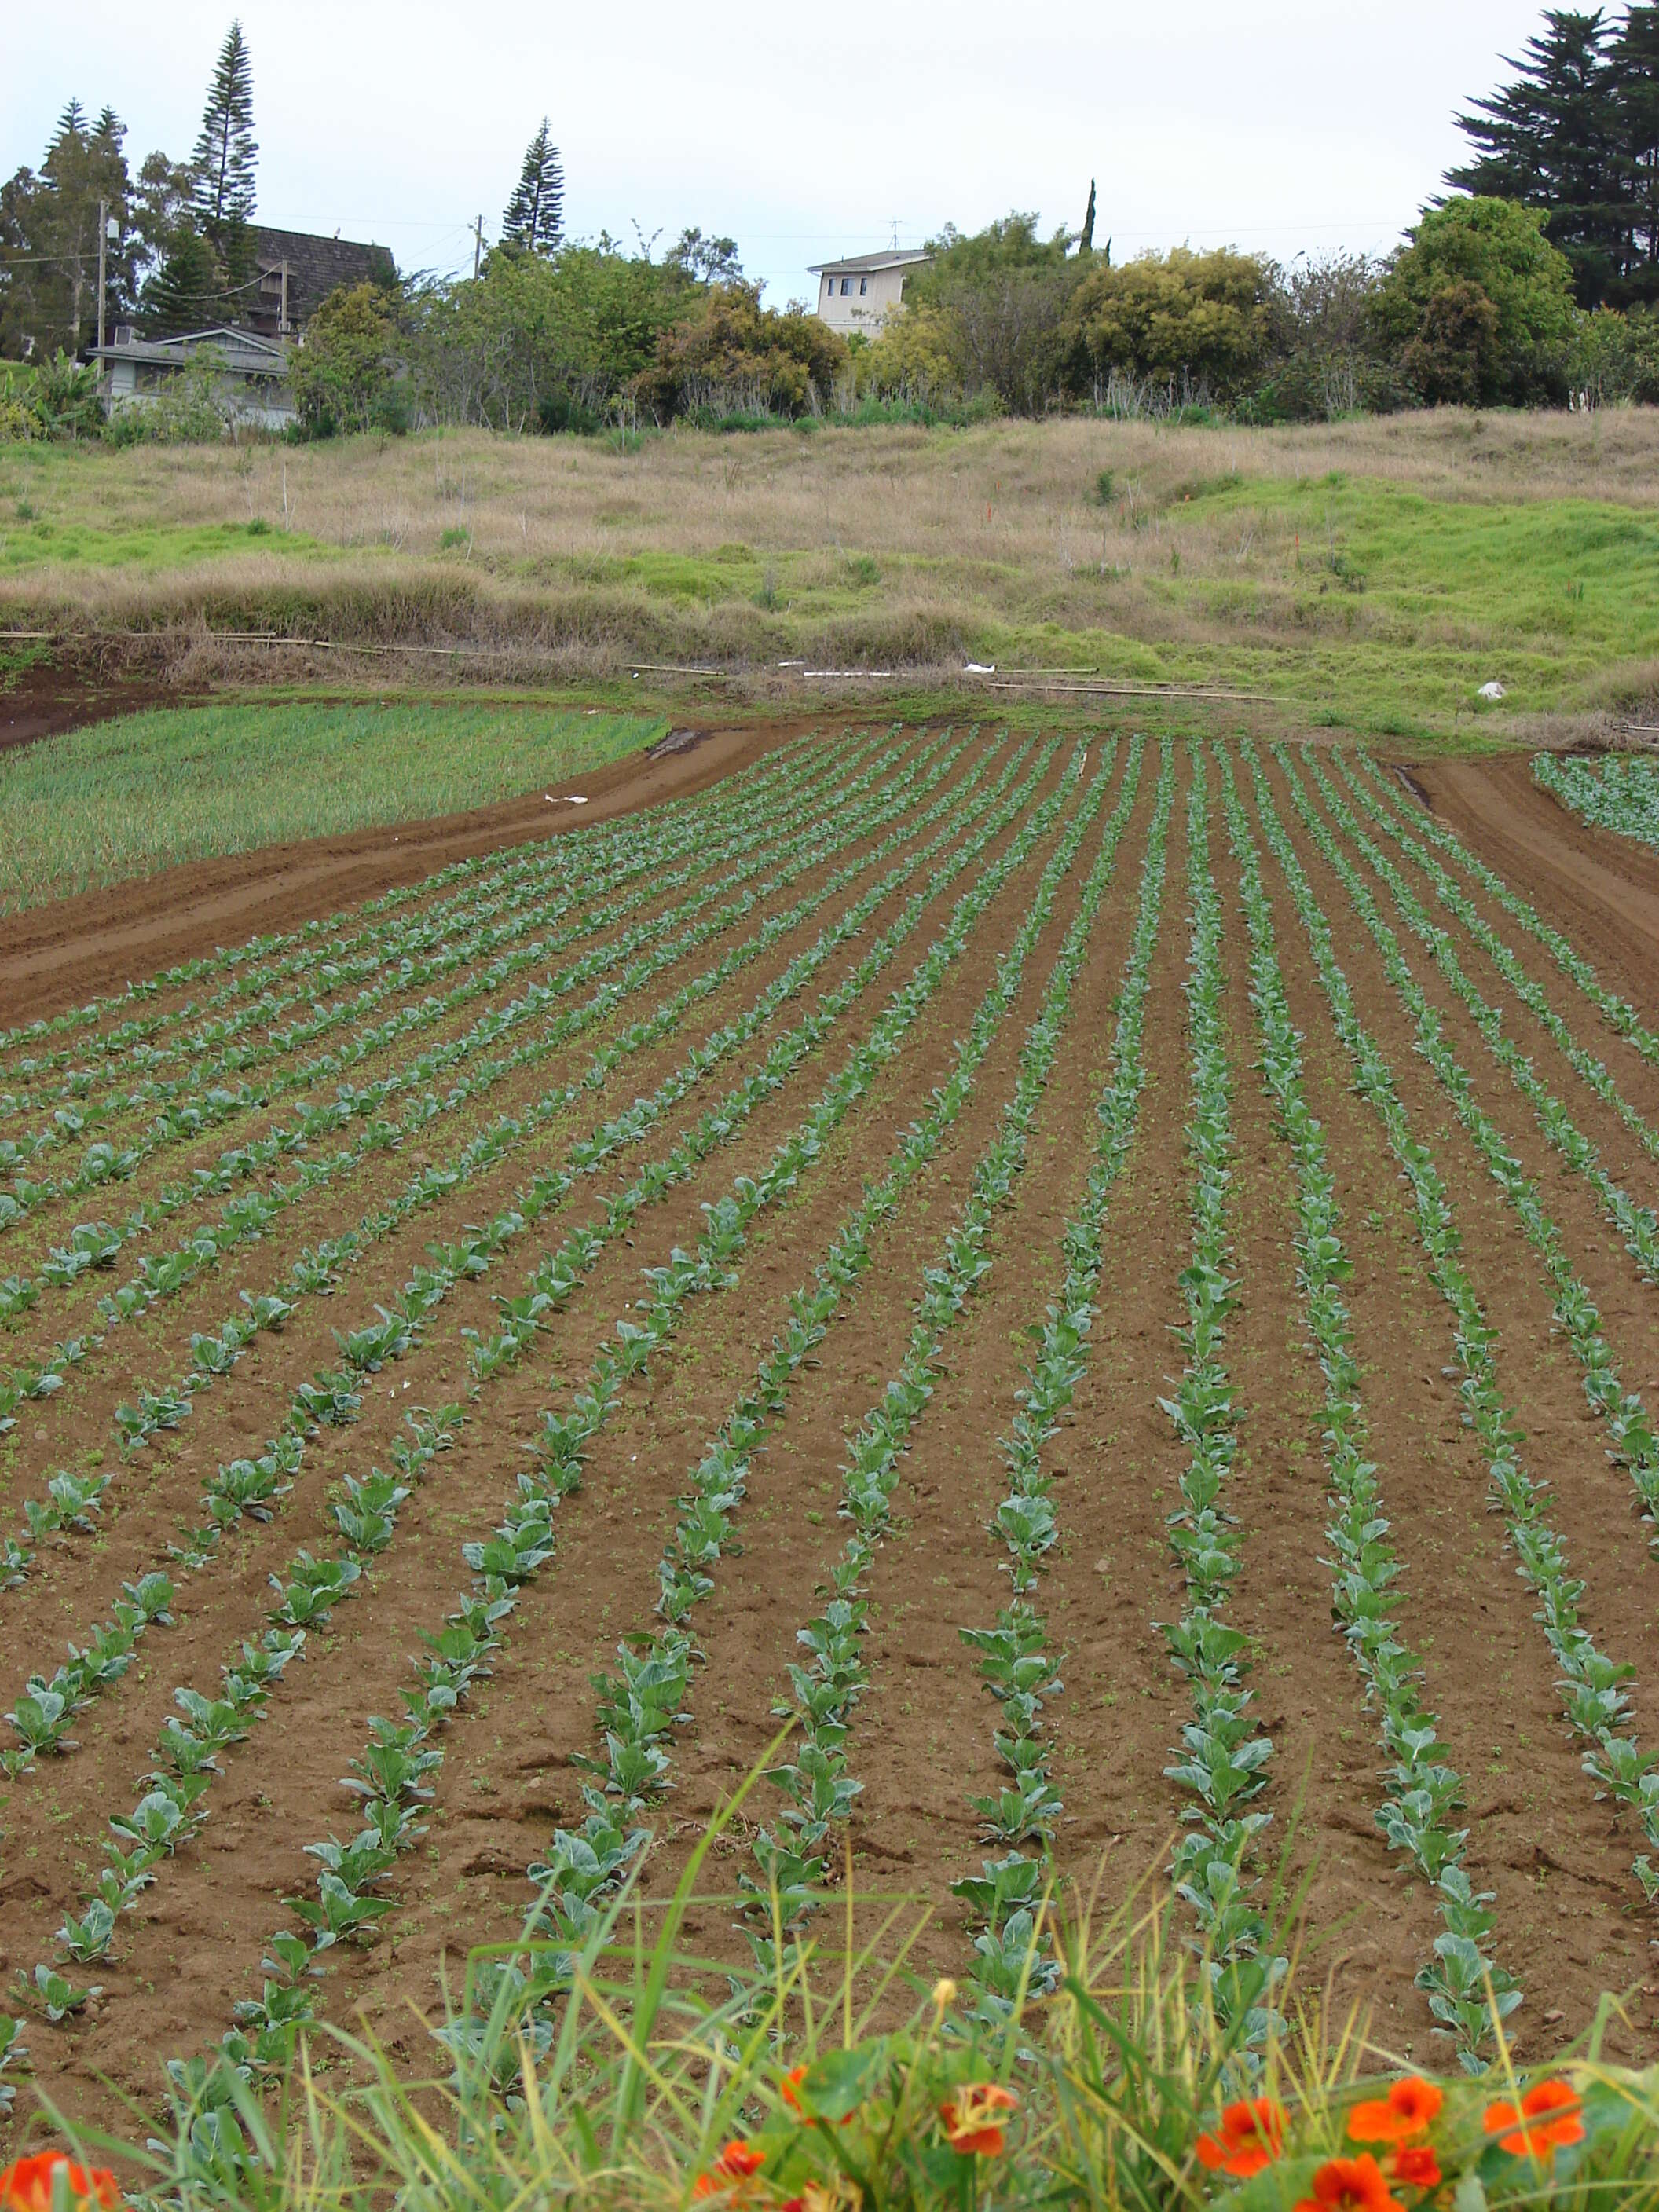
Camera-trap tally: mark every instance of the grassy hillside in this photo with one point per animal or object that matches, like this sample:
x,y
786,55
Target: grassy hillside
x,y
1374,573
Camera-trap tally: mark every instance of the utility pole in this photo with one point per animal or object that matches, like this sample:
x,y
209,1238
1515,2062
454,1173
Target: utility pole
x,y
103,272
477,248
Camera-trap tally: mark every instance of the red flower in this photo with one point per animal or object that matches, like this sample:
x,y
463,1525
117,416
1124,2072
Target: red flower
x,y
1415,2167
735,2163
971,2121
26,2184
1350,2184
1535,2133
1409,2109
1252,2136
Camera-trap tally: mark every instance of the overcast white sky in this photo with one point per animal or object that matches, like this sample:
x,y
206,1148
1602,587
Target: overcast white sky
x,y
803,131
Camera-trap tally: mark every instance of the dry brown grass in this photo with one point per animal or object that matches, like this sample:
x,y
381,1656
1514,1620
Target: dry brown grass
x,y
893,547
893,490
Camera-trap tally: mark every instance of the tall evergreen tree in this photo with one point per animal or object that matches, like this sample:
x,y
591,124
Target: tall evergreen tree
x,y
1635,72
84,165
71,126
535,213
187,290
1086,242
224,160
1547,140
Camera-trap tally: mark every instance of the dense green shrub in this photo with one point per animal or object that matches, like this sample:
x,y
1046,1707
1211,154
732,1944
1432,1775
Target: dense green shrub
x,y
344,375
1203,316
732,357
1478,308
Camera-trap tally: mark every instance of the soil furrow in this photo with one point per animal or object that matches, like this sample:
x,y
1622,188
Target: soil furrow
x,y
310,1723
1567,1925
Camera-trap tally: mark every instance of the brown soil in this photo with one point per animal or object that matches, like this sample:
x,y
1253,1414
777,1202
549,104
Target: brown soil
x,y
1570,1918
1599,890
45,702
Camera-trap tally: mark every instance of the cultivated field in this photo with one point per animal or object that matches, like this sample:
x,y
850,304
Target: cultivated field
x,y
1106,1280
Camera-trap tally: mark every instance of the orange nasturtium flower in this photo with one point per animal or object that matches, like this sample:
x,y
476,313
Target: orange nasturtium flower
x,y
1251,2136
1550,2115
26,2185
1414,2166
1351,2185
1409,2109
973,2118
735,2163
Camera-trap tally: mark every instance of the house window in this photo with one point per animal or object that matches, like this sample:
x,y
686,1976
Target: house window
x,y
864,286
846,286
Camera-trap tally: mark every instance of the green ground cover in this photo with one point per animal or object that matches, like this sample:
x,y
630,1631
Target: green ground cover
x,y
30,540
126,798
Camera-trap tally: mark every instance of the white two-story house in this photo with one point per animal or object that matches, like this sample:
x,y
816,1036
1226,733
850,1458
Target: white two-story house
x,y
860,292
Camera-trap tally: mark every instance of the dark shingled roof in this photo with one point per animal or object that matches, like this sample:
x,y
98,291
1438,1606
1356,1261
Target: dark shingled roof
x,y
316,267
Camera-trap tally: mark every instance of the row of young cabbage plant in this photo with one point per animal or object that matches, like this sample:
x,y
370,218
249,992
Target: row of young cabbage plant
x,y
643,1703
1223,1759
97,1245
73,1495
1464,1982
1633,1443
645,868
249,1218
1637,1225
252,1019
793,1858
521,1544
1620,1015
1018,1664
1458,902
755,849
1620,792
258,961
364,1512
1594,1686
44,1714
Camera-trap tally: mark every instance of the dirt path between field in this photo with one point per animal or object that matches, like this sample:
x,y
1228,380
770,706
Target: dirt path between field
x,y
61,955
1602,889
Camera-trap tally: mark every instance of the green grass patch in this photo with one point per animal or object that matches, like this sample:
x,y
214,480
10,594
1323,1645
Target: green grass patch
x,y
127,798
30,539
